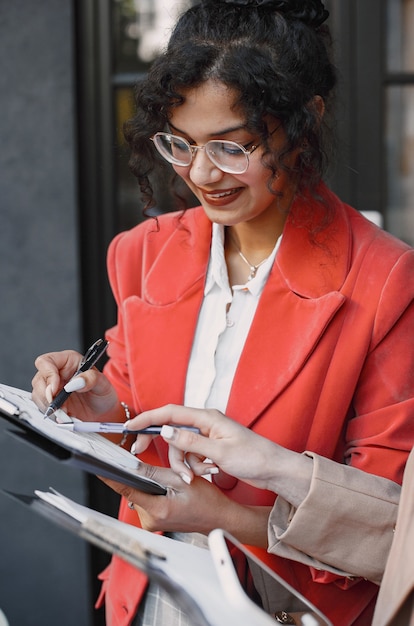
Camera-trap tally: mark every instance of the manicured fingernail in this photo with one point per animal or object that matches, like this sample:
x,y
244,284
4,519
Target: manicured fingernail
x,y
48,394
133,448
186,478
75,384
211,470
167,431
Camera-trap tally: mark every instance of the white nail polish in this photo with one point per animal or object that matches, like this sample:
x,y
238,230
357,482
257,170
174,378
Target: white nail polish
x,y
133,448
75,384
186,478
213,470
167,431
210,471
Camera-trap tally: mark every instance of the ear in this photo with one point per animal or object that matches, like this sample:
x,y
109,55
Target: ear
x,y
318,105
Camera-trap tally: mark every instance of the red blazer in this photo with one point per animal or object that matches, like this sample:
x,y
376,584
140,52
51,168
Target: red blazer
x,y
327,366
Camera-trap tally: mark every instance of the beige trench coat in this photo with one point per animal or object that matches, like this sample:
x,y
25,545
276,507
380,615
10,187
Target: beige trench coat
x,y
368,539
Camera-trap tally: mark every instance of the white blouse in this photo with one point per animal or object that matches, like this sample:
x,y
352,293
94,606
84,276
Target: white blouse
x,y
223,325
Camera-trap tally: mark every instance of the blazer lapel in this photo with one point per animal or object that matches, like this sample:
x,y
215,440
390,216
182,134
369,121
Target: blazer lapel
x,y
298,302
164,320
284,333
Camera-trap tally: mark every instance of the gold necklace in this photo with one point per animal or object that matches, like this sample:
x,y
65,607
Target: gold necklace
x,y
253,268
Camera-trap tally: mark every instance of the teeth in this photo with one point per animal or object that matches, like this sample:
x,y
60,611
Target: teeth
x,y
223,195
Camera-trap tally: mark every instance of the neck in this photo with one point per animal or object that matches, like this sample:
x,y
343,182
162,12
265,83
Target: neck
x,y
253,243
255,240
242,264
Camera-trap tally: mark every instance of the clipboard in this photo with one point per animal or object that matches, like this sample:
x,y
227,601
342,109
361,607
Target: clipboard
x,y
89,452
203,582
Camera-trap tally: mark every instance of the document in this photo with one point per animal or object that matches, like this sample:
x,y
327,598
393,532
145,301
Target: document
x,y
89,452
204,582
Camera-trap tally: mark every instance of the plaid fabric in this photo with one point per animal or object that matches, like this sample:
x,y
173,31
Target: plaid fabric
x,y
158,608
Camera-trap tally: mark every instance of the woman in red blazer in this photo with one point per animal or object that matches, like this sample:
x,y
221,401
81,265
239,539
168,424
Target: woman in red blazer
x,y
273,300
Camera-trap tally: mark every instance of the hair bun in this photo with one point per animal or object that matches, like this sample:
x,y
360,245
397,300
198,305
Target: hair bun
x,y
311,12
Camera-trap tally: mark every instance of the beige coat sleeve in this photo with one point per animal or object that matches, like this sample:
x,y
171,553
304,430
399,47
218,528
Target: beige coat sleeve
x,y
345,525
395,605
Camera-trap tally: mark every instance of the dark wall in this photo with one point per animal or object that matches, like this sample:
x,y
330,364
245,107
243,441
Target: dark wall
x,y
43,571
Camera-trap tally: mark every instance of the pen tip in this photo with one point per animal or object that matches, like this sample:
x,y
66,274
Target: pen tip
x,y
49,411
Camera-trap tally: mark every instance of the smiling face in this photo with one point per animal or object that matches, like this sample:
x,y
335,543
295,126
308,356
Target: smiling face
x,y
207,113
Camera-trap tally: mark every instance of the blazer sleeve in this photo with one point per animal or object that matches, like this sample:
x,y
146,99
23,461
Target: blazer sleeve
x,y
119,261
351,534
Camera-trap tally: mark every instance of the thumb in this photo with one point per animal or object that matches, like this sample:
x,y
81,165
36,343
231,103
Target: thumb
x,y
75,384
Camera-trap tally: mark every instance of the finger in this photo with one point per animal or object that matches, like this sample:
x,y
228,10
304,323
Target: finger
x,y
141,501
120,488
75,384
43,385
176,458
141,444
54,370
189,441
91,379
39,395
42,388
65,363
200,466
173,414
162,475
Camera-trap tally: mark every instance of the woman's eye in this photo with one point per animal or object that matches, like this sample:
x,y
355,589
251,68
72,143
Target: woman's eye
x,y
179,146
230,149
233,150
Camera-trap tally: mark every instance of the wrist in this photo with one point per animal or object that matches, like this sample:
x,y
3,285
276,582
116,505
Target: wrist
x,y
290,476
249,525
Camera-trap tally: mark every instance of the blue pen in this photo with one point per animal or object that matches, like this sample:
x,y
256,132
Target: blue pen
x,y
117,428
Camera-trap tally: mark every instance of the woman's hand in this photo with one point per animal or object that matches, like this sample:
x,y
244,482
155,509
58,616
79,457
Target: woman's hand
x,y
198,507
95,398
232,448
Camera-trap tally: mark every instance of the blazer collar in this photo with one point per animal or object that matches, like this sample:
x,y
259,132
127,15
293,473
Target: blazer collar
x,y
190,241
315,264
310,267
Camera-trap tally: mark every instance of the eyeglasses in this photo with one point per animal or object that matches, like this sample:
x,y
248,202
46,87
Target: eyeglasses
x,y
228,156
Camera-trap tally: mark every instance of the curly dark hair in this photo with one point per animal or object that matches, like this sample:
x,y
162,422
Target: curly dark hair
x,y
274,54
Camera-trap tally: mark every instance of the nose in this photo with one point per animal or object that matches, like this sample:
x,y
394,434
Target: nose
x,y
202,170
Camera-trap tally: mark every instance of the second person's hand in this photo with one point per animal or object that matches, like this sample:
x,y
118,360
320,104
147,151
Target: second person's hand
x,y
233,448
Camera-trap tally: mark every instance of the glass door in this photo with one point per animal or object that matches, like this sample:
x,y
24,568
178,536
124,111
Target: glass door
x,y
140,30
399,119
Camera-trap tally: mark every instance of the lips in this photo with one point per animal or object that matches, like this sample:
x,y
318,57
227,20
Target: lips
x,y
221,197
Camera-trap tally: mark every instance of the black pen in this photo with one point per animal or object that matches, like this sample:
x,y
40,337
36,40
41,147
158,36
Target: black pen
x,y
117,427
91,357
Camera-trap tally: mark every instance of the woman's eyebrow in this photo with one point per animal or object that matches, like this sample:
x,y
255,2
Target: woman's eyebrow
x,y
224,131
